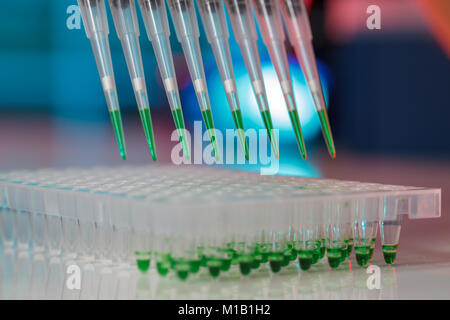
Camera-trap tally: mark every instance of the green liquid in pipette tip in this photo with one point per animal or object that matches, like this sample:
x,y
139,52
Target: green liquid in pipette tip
x,y
362,254
116,120
305,259
326,130
179,124
239,124
148,129
334,257
267,119
295,121
209,124
390,253
245,264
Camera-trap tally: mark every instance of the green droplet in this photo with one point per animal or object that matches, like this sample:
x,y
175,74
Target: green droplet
x,y
305,259
209,124
362,254
148,129
245,264
179,124
239,123
334,257
214,267
118,130
390,253
275,260
293,115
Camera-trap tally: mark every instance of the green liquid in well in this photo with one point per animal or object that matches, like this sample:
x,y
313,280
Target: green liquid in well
x,y
214,266
118,130
143,264
225,264
371,253
316,255
322,252
305,259
163,267
362,254
194,265
264,251
293,115
390,253
179,124
334,257
267,119
148,129
257,260
209,124
343,253
245,264
182,270
275,261
286,258
239,123
294,254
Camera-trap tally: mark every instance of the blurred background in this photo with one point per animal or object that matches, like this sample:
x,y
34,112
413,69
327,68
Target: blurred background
x,y
388,94
387,90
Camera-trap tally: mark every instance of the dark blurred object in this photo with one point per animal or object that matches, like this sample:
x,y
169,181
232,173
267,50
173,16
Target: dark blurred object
x,y
391,85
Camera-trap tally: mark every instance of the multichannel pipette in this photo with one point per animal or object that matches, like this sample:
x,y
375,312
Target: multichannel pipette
x,y
185,21
127,28
214,21
157,26
240,14
271,27
95,21
300,36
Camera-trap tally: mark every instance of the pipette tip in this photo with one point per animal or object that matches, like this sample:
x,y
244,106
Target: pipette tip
x,y
293,115
179,124
118,130
148,129
267,119
209,124
239,123
326,130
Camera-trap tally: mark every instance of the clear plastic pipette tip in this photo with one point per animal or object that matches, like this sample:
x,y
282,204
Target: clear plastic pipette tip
x,y
179,124
326,131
